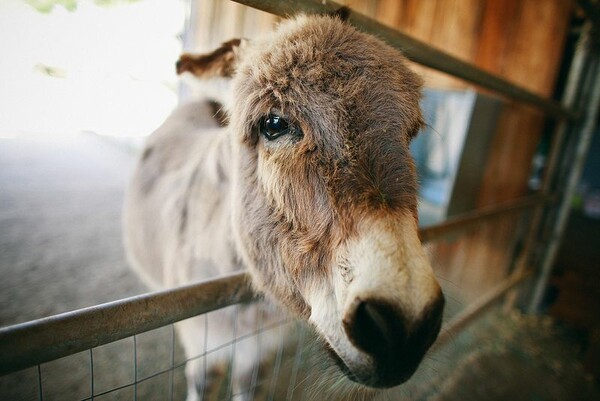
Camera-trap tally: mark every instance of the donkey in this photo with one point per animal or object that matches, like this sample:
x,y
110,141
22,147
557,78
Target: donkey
x,y
309,187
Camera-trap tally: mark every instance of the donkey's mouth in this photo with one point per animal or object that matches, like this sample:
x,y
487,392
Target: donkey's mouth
x,y
341,364
375,380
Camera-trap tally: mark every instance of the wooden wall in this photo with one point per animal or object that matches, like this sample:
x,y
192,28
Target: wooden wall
x,y
220,20
520,40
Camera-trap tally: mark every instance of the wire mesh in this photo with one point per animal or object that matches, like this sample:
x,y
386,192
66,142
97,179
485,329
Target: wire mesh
x,y
283,360
151,365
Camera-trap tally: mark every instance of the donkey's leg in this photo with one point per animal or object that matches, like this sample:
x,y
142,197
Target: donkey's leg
x,y
253,384
255,355
244,371
204,372
204,386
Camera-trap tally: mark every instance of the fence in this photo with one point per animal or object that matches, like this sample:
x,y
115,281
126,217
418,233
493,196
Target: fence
x,y
29,345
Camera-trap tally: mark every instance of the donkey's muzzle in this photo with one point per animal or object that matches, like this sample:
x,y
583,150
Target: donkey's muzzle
x,y
395,343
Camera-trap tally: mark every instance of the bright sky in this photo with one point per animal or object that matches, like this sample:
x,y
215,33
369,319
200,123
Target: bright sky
x,y
112,69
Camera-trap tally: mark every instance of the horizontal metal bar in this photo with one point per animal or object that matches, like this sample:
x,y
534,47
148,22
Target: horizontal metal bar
x,y
419,52
28,344
472,219
31,343
43,340
475,309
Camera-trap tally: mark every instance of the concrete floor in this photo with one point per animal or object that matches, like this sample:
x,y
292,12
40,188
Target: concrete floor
x,y
60,244
60,249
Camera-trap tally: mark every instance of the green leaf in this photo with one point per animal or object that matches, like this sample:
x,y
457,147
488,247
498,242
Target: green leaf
x,y
47,6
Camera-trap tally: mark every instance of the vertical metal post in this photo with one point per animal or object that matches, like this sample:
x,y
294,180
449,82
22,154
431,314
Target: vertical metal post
x,y
585,137
40,387
230,388
297,363
570,96
92,374
172,362
276,370
256,368
190,25
135,369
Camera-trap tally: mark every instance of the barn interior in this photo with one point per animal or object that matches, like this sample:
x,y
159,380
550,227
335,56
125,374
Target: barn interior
x,y
83,85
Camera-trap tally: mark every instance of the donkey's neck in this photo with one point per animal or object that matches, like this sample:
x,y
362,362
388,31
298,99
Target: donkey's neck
x,y
207,234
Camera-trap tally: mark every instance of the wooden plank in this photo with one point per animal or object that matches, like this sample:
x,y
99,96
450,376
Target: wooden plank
x,y
455,27
457,23
538,45
523,42
497,25
529,57
205,17
258,23
234,14
509,164
365,7
390,12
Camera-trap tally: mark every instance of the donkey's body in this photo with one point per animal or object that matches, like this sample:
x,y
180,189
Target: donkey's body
x,y
178,207
178,230
311,188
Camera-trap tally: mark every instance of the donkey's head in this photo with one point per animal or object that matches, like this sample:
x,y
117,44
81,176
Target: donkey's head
x,y
325,206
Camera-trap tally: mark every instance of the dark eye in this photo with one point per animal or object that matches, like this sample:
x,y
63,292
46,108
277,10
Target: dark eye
x,y
273,126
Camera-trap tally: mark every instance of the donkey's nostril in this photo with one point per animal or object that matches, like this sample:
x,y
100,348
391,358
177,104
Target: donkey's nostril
x,y
375,327
430,324
395,344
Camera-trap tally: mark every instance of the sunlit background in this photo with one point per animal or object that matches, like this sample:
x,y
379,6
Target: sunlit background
x,y
101,66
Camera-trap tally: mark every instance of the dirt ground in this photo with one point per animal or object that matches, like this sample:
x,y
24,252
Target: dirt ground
x,y
60,249
510,357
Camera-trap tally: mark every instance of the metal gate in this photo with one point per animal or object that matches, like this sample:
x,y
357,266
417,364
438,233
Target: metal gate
x,y
31,344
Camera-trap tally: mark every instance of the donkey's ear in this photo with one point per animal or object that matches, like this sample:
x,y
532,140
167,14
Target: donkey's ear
x,y
342,13
416,128
219,63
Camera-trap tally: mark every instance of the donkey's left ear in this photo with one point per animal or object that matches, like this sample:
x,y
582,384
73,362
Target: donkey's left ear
x,y
343,13
219,63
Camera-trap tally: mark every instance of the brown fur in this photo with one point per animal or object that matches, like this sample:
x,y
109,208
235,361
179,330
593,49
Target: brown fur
x,y
353,159
323,219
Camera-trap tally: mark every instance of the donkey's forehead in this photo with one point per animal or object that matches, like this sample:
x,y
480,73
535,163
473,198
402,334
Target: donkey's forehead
x,y
319,63
322,56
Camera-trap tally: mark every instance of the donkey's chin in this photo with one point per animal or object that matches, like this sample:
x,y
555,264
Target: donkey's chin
x,y
373,376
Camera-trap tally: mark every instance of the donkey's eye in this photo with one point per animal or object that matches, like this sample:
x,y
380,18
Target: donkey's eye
x,y
273,126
